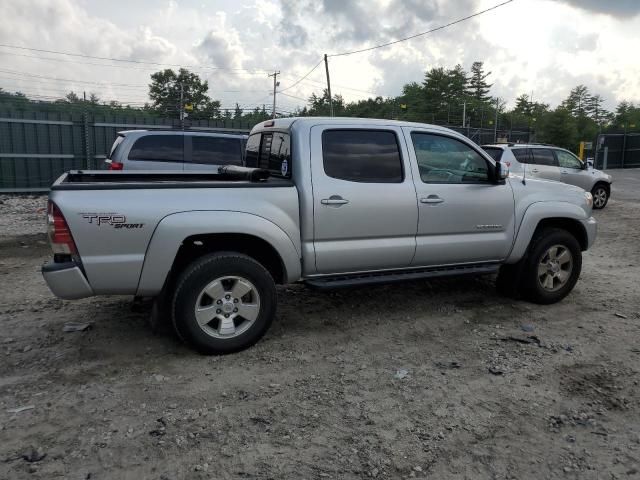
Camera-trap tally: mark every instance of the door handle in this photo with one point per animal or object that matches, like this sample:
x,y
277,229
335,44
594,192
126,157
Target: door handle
x,y
431,199
336,200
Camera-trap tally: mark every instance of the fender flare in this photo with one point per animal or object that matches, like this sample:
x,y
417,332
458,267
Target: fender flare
x,y
533,215
173,229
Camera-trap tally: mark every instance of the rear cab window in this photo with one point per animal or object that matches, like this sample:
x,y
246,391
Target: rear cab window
x,y
158,148
270,151
216,150
367,156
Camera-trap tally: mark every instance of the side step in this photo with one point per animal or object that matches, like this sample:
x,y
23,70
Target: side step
x,y
393,276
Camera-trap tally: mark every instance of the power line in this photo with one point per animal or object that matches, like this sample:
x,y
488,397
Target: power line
x,y
303,77
293,96
141,62
422,33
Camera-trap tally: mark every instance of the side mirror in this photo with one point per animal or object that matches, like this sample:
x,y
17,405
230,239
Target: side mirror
x,y
502,171
589,162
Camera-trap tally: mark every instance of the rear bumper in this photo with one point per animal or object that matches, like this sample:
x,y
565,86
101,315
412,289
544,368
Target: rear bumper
x,y
591,227
66,280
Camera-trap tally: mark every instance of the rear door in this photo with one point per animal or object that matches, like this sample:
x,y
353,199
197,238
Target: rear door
x,y
364,200
208,152
156,152
544,164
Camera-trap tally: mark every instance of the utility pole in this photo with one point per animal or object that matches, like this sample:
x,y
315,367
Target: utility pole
x,y
85,125
495,125
326,66
464,114
181,105
275,85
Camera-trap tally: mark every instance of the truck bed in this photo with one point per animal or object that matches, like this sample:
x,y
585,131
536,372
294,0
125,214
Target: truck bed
x,y
142,179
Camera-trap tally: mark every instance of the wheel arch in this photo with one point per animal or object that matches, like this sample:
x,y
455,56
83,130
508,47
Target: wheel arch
x,y
181,238
567,216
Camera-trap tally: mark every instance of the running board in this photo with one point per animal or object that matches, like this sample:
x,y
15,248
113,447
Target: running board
x,y
393,276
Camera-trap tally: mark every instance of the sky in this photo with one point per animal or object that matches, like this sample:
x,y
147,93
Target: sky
x,y
539,47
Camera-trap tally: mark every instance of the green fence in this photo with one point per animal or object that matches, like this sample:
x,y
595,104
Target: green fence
x,y
37,147
618,150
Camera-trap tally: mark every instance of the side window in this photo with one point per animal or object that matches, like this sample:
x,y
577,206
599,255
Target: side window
x,y
271,151
543,156
566,160
216,150
158,148
496,153
252,150
522,155
448,160
280,154
367,156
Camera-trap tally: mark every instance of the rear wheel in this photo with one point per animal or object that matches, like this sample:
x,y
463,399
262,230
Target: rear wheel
x,y
552,266
600,196
223,303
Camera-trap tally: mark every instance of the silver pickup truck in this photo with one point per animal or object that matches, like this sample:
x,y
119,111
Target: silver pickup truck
x,y
332,202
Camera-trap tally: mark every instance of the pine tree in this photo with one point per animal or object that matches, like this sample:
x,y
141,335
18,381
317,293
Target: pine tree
x,y
478,88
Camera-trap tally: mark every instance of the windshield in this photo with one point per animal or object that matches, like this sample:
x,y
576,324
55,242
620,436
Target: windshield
x,y
115,145
495,152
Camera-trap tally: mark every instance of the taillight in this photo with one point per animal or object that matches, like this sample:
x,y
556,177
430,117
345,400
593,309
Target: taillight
x,y
59,234
115,166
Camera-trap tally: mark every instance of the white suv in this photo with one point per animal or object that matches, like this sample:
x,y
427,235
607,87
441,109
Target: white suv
x,y
553,163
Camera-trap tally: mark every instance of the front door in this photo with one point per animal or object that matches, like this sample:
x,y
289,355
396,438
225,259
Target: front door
x,y
464,217
364,201
571,170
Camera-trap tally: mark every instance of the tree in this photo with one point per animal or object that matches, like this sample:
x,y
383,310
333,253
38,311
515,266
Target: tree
x,y
559,128
577,101
164,92
319,106
478,88
71,97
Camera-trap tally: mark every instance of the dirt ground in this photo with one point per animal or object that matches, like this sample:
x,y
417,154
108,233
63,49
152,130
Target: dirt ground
x,y
441,379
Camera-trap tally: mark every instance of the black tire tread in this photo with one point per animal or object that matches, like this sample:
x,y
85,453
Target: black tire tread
x,y
192,270
528,287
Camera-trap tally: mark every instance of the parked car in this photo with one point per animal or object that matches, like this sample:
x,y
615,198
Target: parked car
x,y
348,202
175,150
553,163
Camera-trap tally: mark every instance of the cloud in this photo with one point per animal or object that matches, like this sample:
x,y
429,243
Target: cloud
x,y
616,8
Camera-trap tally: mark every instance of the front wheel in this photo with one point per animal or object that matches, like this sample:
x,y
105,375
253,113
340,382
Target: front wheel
x,y
223,303
552,266
600,196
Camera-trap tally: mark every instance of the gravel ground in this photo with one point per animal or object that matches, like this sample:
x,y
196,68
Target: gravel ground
x,y
441,379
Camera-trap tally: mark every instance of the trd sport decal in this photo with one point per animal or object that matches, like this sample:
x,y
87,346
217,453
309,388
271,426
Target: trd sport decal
x,y
112,219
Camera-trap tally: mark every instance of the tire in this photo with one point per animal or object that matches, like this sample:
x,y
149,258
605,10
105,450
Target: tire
x,y
223,303
549,275
601,193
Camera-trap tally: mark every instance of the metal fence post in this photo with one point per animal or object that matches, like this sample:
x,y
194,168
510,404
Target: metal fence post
x,y
85,128
604,157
